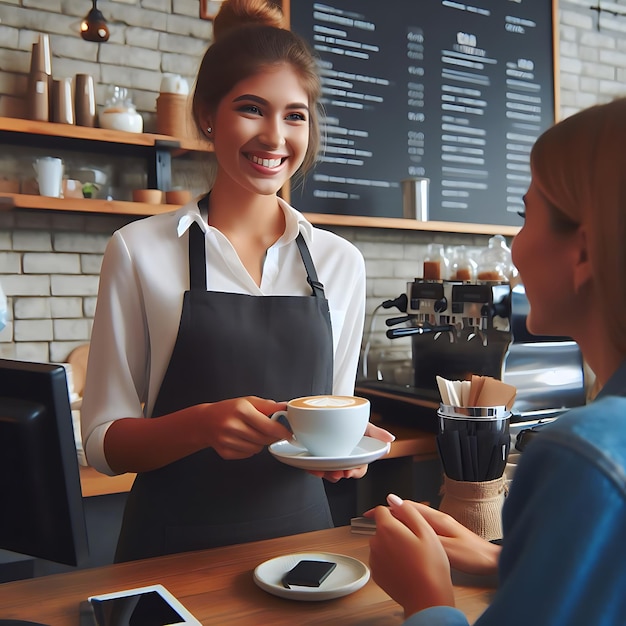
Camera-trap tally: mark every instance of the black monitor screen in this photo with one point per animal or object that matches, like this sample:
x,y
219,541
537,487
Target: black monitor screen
x,y
42,507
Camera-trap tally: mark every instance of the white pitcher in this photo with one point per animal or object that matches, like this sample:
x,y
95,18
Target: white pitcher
x,y
49,172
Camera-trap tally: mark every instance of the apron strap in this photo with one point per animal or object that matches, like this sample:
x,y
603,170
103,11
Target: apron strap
x,y
311,274
197,249
197,259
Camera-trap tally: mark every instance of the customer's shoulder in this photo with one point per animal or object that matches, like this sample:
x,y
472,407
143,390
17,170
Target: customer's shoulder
x,y
596,431
606,413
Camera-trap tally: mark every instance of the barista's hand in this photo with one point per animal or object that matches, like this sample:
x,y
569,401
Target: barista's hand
x,y
467,552
377,432
407,559
238,428
358,472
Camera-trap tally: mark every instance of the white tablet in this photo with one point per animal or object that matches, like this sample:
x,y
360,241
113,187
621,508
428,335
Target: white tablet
x,y
145,606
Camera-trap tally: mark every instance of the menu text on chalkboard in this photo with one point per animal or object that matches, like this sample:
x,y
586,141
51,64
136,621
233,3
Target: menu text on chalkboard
x,y
456,92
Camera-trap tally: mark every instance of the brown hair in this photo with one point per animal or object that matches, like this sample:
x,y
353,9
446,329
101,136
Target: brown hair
x,y
579,167
248,37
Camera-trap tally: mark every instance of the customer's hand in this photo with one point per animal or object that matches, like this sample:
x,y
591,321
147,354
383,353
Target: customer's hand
x,y
407,559
358,472
467,552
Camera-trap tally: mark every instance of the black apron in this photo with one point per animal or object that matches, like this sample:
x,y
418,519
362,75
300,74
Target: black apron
x,y
232,345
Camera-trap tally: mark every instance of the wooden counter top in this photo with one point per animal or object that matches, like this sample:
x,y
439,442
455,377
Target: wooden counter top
x,y
409,441
217,586
93,483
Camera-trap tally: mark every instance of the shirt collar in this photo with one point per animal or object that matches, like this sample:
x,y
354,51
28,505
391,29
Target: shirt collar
x,y
295,222
187,215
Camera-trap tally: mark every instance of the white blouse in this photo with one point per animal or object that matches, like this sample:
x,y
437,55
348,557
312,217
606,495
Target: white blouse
x,y
144,275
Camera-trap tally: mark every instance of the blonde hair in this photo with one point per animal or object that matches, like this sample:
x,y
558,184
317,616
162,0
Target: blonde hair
x,y
249,37
580,168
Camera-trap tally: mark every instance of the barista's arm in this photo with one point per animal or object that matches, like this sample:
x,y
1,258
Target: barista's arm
x,y
236,429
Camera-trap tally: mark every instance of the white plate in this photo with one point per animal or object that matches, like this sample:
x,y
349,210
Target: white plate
x,y
368,450
349,576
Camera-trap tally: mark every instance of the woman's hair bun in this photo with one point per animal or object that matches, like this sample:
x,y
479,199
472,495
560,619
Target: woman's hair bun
x,y
237,13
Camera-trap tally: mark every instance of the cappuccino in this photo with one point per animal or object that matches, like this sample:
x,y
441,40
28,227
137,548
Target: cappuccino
x,y
336,402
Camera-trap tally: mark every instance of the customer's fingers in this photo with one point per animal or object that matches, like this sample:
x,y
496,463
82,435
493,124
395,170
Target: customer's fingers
x,y
411,517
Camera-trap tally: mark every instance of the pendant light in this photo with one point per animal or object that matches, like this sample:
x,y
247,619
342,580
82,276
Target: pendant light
x,y
94,26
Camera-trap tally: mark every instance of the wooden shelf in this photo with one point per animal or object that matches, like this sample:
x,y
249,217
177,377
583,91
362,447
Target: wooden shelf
x,y
157,148
82,205
69,131
9,201
396,223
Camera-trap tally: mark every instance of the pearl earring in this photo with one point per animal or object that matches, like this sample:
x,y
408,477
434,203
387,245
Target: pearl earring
x,y
209,130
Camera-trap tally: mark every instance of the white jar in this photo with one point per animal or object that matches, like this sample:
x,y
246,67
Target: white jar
x,y
120,113
127,120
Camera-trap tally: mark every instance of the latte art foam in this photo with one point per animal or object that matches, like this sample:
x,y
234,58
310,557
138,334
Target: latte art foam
x,y
328,402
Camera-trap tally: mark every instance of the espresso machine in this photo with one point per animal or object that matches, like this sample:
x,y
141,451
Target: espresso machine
x,y
460,328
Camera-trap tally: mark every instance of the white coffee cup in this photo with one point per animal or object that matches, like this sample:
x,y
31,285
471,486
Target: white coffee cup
x,y
327,426
49,172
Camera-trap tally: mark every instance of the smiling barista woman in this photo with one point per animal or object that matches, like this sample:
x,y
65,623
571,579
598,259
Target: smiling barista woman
x,y
206,312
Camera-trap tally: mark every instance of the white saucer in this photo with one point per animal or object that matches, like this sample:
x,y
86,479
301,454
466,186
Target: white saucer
x,y
349,576
291,453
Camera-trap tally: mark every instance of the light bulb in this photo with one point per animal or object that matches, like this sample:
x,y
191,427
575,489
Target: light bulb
x,y
94,26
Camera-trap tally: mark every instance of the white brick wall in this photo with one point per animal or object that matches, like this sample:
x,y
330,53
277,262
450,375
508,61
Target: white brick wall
x,y
49,263
51,279
591,56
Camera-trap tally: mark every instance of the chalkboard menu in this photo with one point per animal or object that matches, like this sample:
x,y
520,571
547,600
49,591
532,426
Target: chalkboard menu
x,y
455,92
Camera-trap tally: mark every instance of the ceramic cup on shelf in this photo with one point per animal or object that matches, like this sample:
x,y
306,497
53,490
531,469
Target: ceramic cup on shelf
x,y
149,196
172,115
62,106
38,96
84,100
41,58
172,107
178,196
327,426
49,171
72,188
39,89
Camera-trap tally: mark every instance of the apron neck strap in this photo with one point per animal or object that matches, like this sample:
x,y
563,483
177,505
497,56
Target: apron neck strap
x,y
197,249
197,258
311,274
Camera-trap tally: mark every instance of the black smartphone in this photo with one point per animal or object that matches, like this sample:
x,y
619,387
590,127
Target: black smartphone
x,y
308,574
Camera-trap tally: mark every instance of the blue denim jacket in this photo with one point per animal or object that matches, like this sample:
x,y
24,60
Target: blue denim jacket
x,y
563,560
